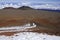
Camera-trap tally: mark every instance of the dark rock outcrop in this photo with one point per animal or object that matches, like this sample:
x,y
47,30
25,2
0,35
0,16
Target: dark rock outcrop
x,y
25,8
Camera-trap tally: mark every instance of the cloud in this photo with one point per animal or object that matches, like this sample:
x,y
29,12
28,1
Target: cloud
x,y
16,5
45,6
32,4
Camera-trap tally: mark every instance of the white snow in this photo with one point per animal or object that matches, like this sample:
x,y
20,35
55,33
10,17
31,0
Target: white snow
x,y
17,28
25,35
30,36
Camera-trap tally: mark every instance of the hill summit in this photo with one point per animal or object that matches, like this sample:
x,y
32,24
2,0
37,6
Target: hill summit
x,y
22,8
25,7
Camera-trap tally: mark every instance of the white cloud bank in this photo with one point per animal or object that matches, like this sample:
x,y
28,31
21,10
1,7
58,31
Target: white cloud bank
x,y
46,6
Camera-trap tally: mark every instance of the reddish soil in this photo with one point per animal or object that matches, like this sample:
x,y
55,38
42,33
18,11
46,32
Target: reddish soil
x,y
8,33
17,17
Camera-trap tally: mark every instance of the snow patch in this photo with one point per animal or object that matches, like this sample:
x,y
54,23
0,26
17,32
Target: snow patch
x,y
30,36
17,28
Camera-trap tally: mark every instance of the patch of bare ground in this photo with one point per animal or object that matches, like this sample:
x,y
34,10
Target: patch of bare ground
x,y
13,22
8,33
45,19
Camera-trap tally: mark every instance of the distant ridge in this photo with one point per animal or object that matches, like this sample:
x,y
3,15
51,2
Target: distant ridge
x,y
9,8
50,10
29,8
22,8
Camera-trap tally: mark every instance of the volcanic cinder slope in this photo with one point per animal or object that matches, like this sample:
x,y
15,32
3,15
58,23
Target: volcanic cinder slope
x,y
46,21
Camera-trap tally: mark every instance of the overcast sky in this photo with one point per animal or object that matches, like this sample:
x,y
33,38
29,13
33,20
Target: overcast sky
x,y
55,4
31,0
